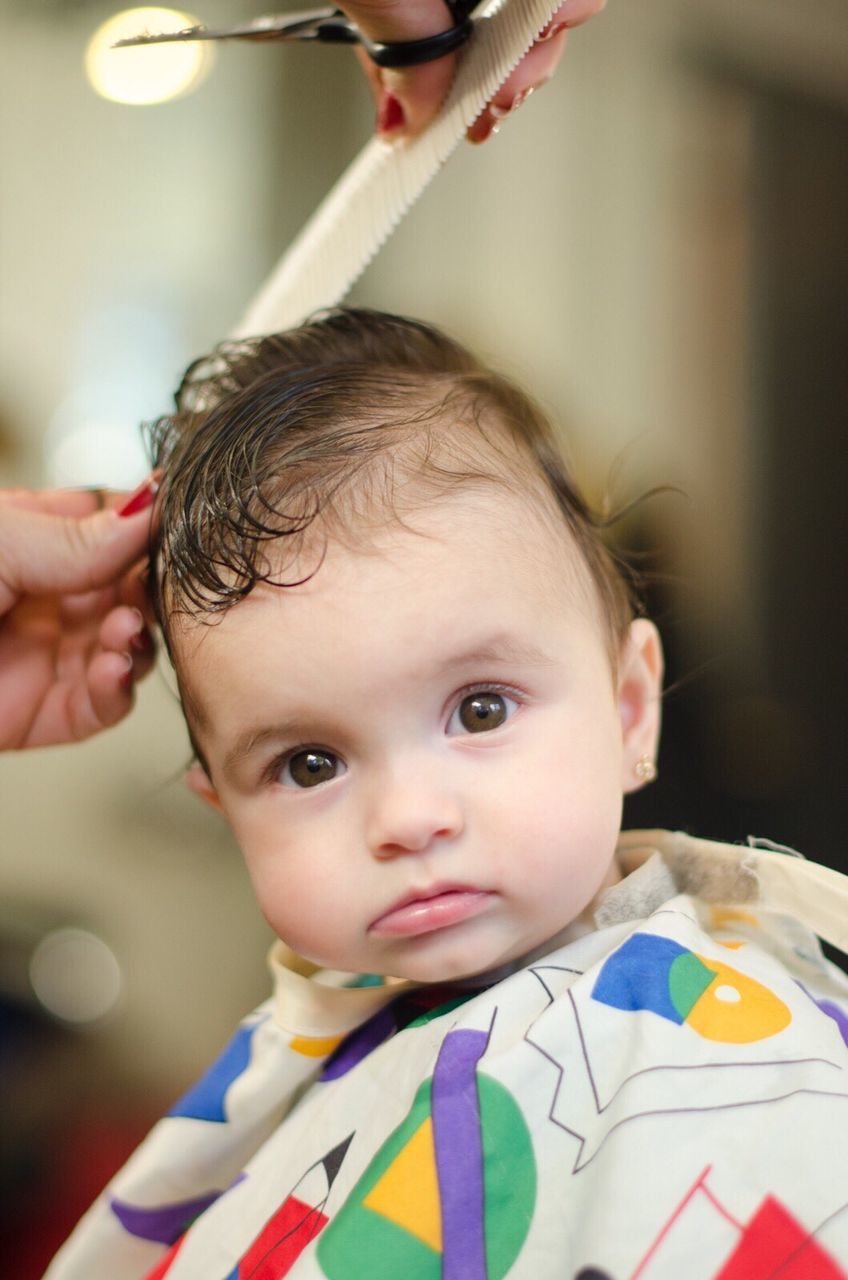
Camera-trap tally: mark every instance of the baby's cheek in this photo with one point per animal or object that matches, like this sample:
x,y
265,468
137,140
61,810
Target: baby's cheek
x,y
542,820
563,851
270,893
293,915
276,884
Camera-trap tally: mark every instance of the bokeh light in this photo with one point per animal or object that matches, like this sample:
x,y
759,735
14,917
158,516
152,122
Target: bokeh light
x,y
76,976
149,73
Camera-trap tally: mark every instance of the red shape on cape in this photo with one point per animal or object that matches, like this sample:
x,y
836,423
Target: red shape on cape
x,y
774,1243
282,1240
163,1266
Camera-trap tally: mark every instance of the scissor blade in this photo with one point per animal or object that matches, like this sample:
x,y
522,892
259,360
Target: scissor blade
x,y
279,26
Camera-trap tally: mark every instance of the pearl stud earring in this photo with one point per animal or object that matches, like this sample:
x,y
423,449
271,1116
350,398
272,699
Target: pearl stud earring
x,y
645,769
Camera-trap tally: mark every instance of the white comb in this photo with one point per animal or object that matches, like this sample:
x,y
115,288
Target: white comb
x,y
384,181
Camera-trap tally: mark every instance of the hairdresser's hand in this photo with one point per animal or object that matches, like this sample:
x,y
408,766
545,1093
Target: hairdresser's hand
x,y
408,99
73,638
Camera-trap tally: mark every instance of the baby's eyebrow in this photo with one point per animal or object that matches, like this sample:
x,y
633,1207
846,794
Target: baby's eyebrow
x,y
255,738
499,648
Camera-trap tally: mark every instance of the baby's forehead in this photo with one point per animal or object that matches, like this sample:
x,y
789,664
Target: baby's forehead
x,y
512,516
483,543
482,573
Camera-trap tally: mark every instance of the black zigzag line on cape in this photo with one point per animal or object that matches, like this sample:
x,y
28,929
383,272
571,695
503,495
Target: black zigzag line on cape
x,y
664,1111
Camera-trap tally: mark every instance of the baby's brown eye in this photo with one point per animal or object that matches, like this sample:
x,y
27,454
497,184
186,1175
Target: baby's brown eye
x,y
481,711
309,768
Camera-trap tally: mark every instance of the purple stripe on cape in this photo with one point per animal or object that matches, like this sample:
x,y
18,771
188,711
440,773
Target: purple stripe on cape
x,y
459,1155
165,1223
833,1011
360,1043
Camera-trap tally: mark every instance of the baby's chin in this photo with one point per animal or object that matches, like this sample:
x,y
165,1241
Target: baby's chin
x,y
431,971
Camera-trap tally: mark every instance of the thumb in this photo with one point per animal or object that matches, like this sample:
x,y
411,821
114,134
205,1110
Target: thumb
x,y
54,554
407,98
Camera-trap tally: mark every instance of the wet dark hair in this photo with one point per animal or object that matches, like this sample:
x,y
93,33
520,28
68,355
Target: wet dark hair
x,y
343,418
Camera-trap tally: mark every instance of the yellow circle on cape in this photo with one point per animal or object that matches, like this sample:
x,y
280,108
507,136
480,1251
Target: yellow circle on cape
x,y
736,1009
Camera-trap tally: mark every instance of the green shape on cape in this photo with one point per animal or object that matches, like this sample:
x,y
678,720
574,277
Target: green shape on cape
x,y
688,979
441,1009
358,1242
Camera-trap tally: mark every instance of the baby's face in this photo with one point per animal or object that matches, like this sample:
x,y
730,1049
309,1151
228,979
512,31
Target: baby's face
x,y
422,750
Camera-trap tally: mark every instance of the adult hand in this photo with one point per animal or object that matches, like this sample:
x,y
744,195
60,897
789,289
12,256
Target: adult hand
x,y
73,637
408,99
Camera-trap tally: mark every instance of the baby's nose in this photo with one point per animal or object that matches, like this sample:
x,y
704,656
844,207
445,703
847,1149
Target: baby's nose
x,y
412,815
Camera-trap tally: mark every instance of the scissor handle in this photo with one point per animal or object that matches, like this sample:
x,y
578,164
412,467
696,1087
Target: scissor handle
x,y
336,28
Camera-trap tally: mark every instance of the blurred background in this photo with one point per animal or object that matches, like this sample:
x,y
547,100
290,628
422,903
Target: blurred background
x,y
655,245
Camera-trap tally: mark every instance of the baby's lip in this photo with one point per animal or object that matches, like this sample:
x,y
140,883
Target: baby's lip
x,y
433,907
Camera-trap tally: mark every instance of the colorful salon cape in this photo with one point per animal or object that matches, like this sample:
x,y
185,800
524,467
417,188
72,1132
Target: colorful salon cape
x,y
664,1097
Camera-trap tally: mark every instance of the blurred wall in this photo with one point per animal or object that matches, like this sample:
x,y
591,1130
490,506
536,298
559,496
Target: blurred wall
x,y
604,249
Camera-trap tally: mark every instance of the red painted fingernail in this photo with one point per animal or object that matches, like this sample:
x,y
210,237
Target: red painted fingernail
x,y
482,128
390,115
126,680
548,33
142,498
142,641
501,113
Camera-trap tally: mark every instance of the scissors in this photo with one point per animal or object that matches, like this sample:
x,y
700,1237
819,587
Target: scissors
x,y
331,26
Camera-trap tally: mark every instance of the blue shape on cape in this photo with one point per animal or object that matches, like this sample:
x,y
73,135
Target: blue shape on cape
x,y
205,1100
636,976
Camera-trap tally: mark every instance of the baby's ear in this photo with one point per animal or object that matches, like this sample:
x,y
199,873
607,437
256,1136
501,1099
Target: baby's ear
x,y
639,692
197,780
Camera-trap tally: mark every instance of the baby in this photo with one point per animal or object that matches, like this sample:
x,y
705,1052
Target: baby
x,y
504,1038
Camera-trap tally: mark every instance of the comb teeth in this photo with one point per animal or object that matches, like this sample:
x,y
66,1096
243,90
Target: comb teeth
x,y
360,212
